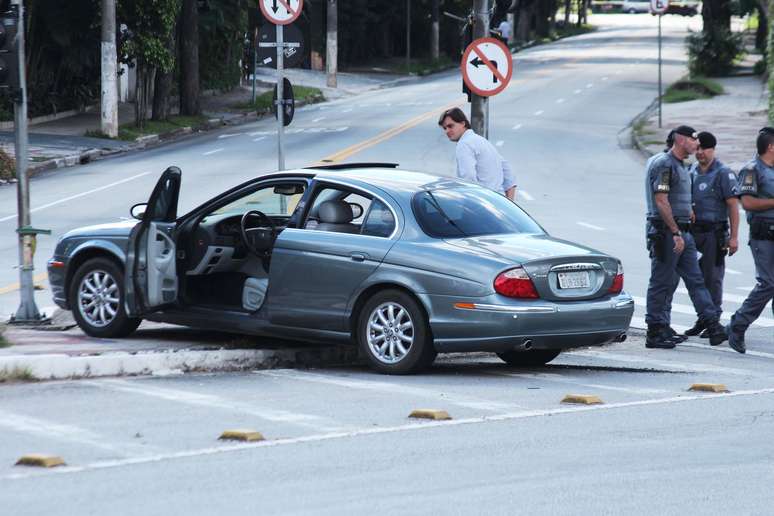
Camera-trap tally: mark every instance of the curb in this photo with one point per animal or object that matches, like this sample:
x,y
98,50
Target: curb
x,y
636,141
160,363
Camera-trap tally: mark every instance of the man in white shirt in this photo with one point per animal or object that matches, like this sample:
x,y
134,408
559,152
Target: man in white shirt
x,y
477,159
505,31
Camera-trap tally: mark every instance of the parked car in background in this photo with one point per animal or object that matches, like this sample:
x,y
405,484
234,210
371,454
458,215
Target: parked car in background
x,y
404,264
635,6
684,8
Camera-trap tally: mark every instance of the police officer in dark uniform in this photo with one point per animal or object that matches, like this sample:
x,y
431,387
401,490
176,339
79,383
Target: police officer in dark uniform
x,y
714,206
756,189
672,248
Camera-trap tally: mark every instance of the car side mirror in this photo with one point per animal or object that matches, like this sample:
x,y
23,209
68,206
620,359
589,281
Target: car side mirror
x,y
138,210
357,210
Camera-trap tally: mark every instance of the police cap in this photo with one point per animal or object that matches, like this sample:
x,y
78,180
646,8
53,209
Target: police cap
x,y
707,140
686,130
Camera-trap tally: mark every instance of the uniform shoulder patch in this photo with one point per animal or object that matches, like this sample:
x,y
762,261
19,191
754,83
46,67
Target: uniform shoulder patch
x,y
732,176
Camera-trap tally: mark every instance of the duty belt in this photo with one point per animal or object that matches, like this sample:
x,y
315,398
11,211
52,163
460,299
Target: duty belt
x,y
708,227
659,224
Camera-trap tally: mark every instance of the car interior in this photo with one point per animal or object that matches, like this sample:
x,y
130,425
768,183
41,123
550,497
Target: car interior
x,y
229,252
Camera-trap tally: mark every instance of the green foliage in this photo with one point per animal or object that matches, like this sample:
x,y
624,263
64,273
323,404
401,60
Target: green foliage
x,y
17,374
692,89
223,26
760,67
713,53
130,132
263,101
7,171
149,26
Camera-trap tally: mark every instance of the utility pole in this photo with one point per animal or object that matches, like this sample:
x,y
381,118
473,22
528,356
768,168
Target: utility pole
x,y
109,98
435,32
479,107
408,36
332,44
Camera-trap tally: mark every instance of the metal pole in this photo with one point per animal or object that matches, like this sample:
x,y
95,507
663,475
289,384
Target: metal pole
x,y
659,70
408,36
280,98
255,60
478,108
27,311
109,97
331,44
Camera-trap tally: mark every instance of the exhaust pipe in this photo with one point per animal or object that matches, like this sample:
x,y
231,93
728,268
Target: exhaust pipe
x,y
527,344
621,338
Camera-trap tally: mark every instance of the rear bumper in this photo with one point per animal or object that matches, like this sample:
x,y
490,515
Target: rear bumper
x,y
498,324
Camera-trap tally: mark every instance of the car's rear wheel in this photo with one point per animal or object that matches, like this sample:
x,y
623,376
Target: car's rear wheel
x,y
97,299
393,334
533,357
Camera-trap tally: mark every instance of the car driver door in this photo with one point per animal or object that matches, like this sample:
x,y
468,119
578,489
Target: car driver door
x,y
151,272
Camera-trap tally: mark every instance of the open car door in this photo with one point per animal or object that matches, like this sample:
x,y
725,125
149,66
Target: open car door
x,y
151,272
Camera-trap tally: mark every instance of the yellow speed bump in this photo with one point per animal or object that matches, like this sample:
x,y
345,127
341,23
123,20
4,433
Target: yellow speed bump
x,y
437,415
241,435
40,461
708,387
582,399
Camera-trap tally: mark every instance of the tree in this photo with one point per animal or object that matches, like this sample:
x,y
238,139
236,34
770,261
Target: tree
x,y
189,58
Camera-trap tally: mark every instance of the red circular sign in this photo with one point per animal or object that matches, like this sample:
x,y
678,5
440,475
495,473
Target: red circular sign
x,y
281,12
487,66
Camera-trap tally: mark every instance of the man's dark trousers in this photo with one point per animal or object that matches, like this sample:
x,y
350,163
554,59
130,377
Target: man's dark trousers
x,y
707,244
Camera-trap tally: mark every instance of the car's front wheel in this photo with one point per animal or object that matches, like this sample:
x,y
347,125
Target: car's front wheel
x,y
533,357
393,334
97,299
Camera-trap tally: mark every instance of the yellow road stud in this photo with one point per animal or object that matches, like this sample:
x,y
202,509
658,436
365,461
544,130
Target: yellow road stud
x,y
582,399
241,435
708,387
437,415
40,461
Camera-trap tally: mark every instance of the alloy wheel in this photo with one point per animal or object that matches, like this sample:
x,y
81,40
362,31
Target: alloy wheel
x,y
98,298
390,333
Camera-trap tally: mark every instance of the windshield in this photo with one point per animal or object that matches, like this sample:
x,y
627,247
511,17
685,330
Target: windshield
x,y
469,212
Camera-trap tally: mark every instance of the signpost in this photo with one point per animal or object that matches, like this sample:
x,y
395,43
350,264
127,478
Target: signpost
x,y
659,7
281,13
288,104
293,55
487,68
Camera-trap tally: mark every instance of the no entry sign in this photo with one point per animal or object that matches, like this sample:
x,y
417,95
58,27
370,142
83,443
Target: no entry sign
x,y
659,6
487,67
281,12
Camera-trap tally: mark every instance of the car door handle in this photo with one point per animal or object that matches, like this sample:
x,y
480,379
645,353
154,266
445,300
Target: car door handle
x,y
358,257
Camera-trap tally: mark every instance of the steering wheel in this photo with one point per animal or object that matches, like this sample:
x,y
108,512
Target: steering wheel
x,y
260,239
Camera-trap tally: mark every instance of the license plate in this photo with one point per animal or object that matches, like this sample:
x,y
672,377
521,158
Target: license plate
x,y
574,279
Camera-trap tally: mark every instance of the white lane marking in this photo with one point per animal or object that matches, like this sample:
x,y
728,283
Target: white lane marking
x,y
726,297
213,152
734,272
557,378
590,226
390,388
348,110
604,78
62,432
590,85
746,289
77,196
318,119
259,138
724,349
667,365
688,309
216,402
413,426
517,127
223,136
639,322
577,92
526,195
539,112
499,143
559,101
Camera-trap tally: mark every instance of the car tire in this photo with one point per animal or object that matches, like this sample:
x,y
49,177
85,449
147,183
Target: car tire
x,y
102,279
534,357
383,345
632,11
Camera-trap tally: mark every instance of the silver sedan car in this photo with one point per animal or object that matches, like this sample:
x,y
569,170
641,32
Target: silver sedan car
x,y
403,264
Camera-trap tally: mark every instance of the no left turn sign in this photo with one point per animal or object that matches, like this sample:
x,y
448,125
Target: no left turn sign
x,y
487,67
281,12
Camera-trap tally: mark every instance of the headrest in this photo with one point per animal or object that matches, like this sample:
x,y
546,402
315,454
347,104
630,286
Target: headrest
x,y
335,212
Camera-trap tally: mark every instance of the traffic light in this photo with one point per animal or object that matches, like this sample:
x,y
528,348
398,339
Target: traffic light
x,y
9,56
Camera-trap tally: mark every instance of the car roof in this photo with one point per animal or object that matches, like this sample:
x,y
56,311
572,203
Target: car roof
x,y
389,179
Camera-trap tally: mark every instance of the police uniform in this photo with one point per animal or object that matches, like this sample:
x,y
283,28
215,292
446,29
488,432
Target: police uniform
x,y
668,175
756,179
711,189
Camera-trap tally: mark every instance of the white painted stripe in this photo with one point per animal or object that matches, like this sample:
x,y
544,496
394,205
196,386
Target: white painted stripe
x,y
604,78
391,389
213,152
577,91
557,378
223,136
348,110
499,143
687,309
526,195
560,101
216,402
78,196
413,426
259,139
590,226
590,85
539,112
666,365
639,322
746,289
734,272
261,133
517,127
726,296
724,349
318,119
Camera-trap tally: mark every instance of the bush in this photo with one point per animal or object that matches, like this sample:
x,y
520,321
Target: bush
x,y
712,54
7,166
692,89
760,67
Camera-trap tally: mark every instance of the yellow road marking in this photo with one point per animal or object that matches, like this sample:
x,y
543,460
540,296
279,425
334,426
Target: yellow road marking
x,y
708,387
241,435
582,399
41,461
386,135
437,415
16,286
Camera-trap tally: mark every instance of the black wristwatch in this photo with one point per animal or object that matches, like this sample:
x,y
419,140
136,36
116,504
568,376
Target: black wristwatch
x,y
677,233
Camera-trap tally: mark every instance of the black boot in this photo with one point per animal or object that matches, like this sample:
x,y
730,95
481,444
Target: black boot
x,y
676,337
736,340
717,333
697,328
658,337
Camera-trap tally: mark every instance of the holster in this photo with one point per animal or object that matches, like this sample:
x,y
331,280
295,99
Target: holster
x,y
762,229
721,240
656,245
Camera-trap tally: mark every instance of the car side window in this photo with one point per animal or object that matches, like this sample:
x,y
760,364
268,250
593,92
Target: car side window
x,y
380,221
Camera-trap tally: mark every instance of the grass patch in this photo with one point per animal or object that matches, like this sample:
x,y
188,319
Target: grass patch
x,y
692,89
17,374
425,66
3,343
263,101
130,132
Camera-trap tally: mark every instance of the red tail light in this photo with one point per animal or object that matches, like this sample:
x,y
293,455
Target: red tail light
x,y
515,283
617,285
